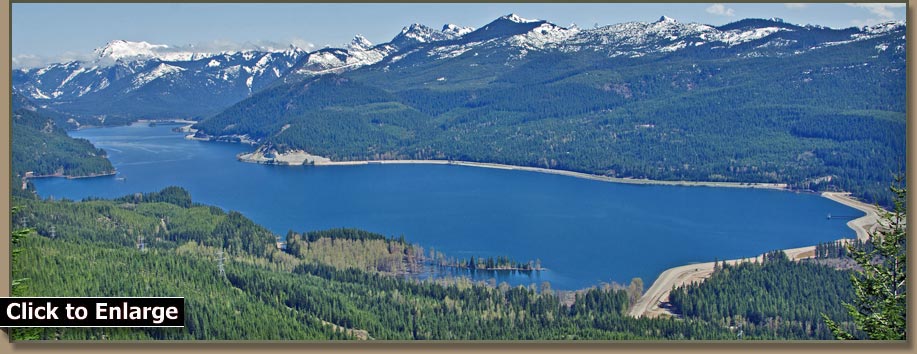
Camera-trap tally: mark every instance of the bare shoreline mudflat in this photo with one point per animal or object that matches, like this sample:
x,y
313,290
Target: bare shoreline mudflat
x,y
326,162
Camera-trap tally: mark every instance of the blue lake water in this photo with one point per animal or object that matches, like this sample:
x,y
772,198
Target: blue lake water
x,y
585,232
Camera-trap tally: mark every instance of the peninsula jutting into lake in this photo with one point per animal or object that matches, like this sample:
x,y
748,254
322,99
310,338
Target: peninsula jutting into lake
x,y
507,178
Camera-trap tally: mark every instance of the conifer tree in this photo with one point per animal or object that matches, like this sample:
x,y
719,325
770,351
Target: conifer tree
x,y
880,308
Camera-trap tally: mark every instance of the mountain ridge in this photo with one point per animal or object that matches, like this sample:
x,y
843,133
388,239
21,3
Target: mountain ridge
x,y
143,75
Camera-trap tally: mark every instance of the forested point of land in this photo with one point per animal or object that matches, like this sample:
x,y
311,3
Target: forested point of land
x,y
41,146
44,149
766,299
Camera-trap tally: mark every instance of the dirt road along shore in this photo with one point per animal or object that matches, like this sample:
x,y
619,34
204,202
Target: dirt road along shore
x,y
650,304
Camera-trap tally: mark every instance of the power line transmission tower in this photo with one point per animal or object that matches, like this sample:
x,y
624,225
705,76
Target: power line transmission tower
x,y
140,245
220,259
53,232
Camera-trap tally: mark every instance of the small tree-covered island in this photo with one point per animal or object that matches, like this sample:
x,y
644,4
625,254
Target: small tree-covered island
x,y
108,203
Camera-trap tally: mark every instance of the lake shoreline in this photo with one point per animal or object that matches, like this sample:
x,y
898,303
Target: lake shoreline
x,y
91,175
27,177
557,172
312,160
650,304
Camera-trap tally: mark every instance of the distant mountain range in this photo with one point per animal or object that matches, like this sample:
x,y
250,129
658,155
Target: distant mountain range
x,y
143,80
756,100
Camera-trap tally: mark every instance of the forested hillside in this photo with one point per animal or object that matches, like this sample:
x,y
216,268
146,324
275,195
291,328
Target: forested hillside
x,y
799,106
777,297
163,244
41,146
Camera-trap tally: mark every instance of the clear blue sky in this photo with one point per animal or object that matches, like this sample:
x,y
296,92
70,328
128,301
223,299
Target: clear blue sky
x,y
52,32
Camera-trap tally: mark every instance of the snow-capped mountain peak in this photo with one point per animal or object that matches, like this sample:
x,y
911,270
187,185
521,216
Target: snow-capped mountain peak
x,y
418,33
518,19
883,27
456,30
666,19
143,69
360,43
293,50
120,49
414,27
545,35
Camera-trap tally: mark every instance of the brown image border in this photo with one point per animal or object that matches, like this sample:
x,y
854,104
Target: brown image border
x,y
507,347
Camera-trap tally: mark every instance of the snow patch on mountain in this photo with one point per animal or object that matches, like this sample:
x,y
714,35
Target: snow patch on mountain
x,y
673,47
37,94
867,33
359,43
331,60
444,52
85,90
517,19
735,37
324,60
121,50
162,70
666,19
777,43
230,73
103,84
262,64
456,31
544,36
418,33
884,27
638,38
72,75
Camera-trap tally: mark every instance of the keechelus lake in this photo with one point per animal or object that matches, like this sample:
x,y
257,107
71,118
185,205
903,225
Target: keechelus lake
x,y
584,231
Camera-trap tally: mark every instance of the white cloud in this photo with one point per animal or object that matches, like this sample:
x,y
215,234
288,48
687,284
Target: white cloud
x,y
27,61
720,10
882,10
868,22
302,43
796,5
219,46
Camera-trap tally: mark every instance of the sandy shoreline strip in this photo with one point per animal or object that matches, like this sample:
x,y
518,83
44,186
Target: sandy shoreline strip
x,y
658,293
780,186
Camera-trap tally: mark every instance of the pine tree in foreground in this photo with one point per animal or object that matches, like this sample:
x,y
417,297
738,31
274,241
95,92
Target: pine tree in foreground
x,y
880,308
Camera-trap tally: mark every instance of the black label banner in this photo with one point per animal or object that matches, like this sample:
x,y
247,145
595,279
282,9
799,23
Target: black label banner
x,y
92,312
